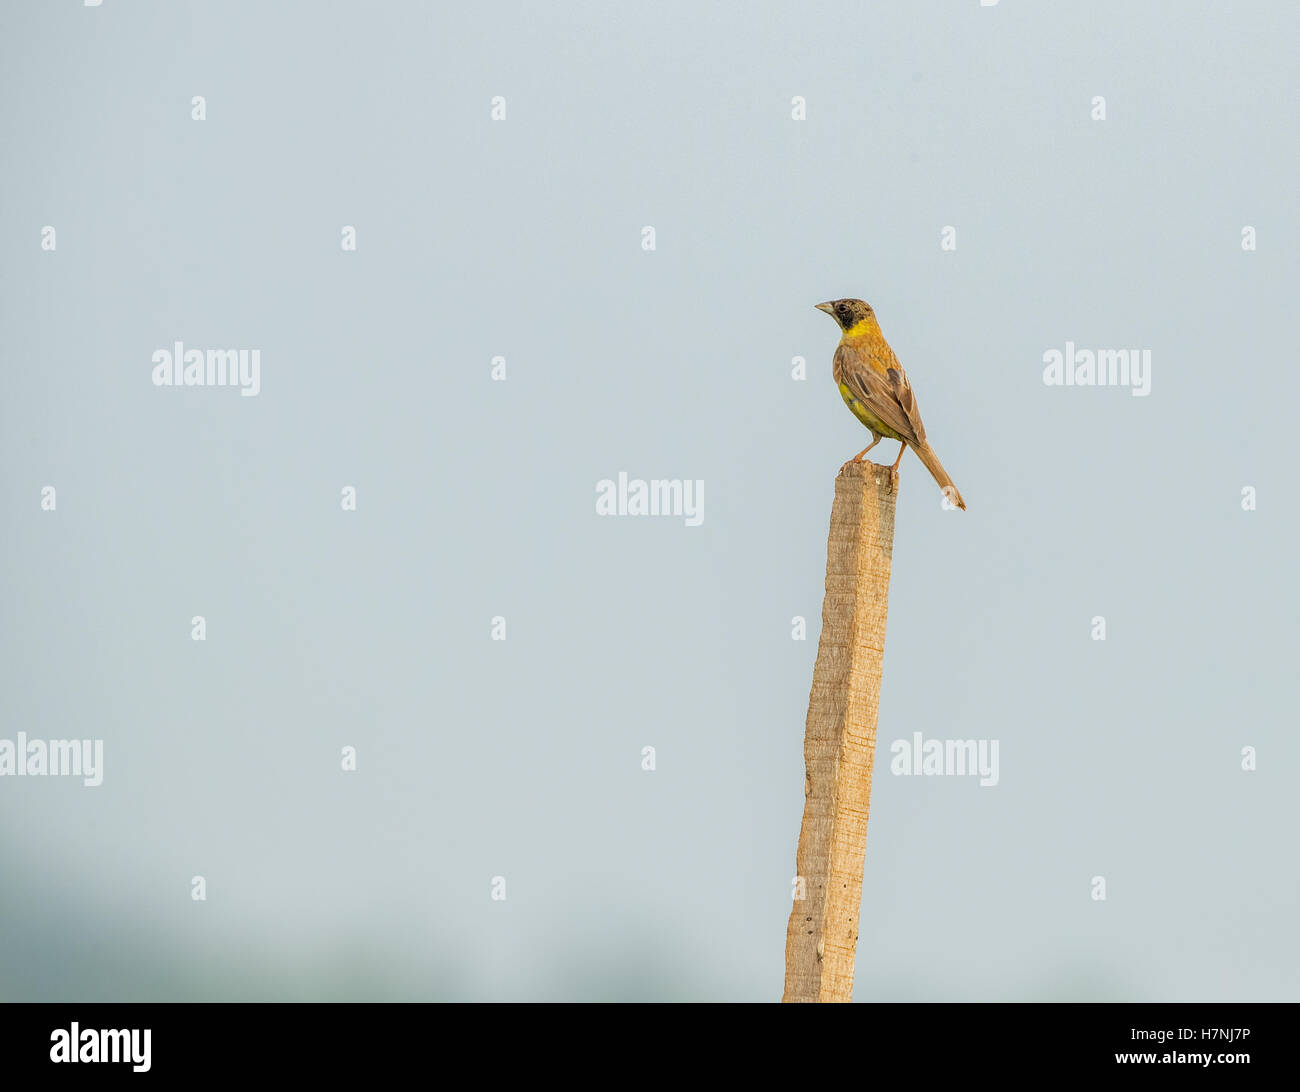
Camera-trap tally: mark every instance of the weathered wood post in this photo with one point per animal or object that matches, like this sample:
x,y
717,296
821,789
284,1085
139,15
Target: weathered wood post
x,y
840,737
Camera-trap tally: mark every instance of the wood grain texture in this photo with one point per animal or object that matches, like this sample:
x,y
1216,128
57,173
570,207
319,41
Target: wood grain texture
x,y
840,737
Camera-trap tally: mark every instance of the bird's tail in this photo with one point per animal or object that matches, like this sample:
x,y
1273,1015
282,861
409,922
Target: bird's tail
x,y
926,454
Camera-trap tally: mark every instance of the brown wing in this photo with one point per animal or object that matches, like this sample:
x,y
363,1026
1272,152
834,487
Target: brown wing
x,y
885,391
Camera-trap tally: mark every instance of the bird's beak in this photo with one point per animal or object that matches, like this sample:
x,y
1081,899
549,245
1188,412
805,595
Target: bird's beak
x,y
829,308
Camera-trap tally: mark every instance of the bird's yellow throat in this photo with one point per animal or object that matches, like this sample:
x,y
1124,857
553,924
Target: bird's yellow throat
x,y
861,330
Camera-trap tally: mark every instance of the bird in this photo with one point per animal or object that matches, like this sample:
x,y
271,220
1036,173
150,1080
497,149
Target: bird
x,y
877,390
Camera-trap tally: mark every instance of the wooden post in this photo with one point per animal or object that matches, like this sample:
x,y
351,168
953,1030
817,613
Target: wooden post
x,y
840,737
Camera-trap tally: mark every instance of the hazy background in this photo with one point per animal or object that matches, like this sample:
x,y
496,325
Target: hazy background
x,y
523,239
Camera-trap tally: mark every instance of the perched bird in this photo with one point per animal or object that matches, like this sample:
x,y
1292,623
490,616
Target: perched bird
x,y
875,387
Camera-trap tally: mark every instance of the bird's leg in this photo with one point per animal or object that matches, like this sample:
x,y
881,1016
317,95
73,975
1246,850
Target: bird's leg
x,y
901,448
876,438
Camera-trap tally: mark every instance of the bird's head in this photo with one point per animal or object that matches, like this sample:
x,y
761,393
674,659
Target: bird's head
x,y
848,313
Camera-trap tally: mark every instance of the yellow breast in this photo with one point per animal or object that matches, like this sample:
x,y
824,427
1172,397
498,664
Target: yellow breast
x,y
865,415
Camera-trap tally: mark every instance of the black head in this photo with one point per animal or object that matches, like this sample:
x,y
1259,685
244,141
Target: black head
x,y
848,313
